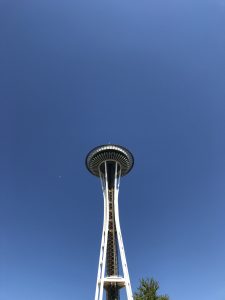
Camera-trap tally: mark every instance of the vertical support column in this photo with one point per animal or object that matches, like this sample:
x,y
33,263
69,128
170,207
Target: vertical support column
x,y
120,239
103,250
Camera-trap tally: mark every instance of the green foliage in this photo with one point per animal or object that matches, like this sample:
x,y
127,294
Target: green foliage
x,y
148,291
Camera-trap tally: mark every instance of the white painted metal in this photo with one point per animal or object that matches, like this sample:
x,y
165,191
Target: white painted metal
x,y
103,250
101,279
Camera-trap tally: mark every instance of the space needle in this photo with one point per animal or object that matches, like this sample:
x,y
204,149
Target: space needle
x,y
110,163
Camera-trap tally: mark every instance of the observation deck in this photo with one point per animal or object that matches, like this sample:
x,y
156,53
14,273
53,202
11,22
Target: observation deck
x,y
114,153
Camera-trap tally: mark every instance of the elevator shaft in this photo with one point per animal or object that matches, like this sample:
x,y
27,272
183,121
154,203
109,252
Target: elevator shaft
x,y
112,267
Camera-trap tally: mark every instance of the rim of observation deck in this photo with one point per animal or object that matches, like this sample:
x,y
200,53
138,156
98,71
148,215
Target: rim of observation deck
x,y
109,152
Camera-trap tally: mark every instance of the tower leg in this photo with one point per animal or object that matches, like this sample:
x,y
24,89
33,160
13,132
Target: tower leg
x,y
103,250
122,251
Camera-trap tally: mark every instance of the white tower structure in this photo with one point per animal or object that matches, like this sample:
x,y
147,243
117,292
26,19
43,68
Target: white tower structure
x,y
110,162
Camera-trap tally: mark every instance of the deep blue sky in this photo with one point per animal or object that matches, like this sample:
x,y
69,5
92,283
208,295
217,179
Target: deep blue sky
x,y
149,75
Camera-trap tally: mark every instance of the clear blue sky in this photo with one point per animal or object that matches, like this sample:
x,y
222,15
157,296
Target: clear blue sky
x,y
149,75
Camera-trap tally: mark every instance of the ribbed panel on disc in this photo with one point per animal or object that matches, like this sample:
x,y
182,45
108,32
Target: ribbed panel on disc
x,y
109,153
